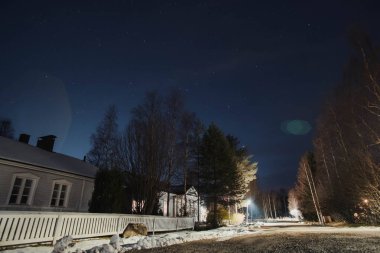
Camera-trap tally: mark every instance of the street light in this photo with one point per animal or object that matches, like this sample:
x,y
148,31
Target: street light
x,y
246,217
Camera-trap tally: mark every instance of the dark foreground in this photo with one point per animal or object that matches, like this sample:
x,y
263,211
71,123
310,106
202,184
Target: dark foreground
x,y
277,241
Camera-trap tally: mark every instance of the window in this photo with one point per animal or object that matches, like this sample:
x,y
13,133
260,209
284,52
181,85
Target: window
x,y
60,193
22,190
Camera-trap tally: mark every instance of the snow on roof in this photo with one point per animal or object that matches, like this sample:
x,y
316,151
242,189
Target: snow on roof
x,y
179,189
25,153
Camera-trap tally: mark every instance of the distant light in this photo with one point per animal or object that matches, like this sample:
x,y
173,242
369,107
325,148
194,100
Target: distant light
x,y
296,127
296,214
365,201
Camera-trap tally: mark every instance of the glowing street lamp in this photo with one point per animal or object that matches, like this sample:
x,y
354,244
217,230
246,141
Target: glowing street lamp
x,y
248,202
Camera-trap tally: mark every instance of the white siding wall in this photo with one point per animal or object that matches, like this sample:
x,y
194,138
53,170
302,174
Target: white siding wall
x,y
176,203
44,188
87,194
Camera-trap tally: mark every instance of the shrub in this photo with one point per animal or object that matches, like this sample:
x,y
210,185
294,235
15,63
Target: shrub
x,y
221,215
237,218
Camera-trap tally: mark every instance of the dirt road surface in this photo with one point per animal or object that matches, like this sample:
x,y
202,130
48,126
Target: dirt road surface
x,y
286,239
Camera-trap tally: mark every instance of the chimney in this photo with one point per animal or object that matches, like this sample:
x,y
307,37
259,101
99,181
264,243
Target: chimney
x,y
24,138
46,142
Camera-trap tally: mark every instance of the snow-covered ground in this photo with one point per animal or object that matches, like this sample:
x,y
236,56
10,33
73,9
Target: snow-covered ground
x,y
147,242
288,230
286,239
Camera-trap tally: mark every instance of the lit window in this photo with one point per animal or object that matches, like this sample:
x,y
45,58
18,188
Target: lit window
x,y
22,190
60,193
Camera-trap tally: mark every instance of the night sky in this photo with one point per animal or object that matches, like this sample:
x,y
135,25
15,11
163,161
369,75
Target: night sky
x,y
252,67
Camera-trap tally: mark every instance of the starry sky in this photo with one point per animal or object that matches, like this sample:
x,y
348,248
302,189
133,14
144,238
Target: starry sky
x,y
258,69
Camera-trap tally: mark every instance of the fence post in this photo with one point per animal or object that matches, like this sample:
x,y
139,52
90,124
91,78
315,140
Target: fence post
x,y
119,225
154,224
193,223
176,225
58,228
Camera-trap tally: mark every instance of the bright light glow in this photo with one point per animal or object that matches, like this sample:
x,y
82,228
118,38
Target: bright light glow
x,y
237,219
296,214
203,213
365,201
247,202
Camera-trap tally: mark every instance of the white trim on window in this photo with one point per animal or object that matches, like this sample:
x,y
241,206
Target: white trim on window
x,y
26,182
60,187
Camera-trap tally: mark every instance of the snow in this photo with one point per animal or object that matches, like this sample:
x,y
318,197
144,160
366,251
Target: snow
x,y
143,242
117,244
181,237
62,244
81,245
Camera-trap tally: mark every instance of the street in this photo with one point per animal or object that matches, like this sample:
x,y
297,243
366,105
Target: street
x,y
288,238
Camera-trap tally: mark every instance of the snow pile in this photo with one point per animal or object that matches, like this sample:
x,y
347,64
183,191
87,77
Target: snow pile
x,y
164,240
62,244
113,247
115,242
258,224
119,245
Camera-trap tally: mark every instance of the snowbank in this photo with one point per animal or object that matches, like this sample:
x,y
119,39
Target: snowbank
x,y
181,237
138,242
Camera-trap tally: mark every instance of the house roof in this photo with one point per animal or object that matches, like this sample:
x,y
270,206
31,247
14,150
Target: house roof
x,y
179,189
24,153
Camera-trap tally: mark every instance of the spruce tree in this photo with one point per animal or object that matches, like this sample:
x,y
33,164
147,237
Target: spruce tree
x,y
109,195
218,167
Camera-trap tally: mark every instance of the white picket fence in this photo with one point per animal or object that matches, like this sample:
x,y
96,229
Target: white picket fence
x,y
17,227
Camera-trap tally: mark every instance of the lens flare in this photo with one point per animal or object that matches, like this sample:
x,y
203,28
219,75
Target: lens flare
x,y
296,127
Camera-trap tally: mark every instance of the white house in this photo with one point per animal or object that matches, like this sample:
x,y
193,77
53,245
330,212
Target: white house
x,y
34,178
177,202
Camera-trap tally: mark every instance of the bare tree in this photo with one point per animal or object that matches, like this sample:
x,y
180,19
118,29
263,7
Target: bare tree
x,y
146,149
103,153
186,136
347,140
174,111
6,128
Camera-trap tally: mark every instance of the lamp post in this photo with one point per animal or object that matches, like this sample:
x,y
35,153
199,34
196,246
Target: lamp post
x,y
246,217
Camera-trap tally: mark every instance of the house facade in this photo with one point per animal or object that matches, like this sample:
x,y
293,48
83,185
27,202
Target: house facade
x,y
177,203
34,178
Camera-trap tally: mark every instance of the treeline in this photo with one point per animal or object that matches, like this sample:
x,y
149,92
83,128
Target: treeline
x,y
268,204
341,177
164,144
6,128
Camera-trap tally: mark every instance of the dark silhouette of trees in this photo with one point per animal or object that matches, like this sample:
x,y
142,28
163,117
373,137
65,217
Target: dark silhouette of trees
x,y
161,145
220,178
103,153
145,147
173,113
188,137
346,145
6,128
109,194
305,190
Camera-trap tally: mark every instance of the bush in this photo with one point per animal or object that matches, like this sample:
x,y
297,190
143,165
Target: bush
x,y
237,218
221,215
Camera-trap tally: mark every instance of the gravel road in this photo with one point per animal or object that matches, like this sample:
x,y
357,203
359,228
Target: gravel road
x,y
282,240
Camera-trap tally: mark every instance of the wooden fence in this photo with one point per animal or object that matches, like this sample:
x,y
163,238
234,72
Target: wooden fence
x,y
17,227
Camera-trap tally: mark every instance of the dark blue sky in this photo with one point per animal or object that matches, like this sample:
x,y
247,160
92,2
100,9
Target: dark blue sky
x,y
248,66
